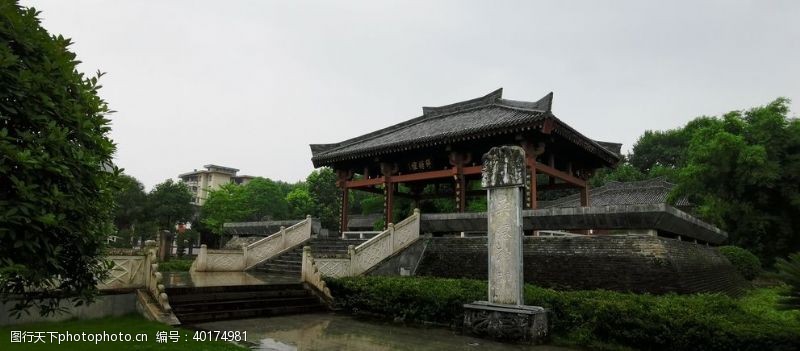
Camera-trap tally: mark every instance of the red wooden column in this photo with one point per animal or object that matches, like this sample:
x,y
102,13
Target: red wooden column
x,y
531,161
388,192
343,176
531,152
457,160
585,196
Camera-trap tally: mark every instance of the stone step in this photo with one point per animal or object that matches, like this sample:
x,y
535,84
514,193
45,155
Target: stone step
x,y
201,304
199,317
288,266
241,295
229,305
174,291
286,260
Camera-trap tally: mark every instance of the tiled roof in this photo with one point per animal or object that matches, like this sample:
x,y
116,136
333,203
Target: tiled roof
x,y
651,191
471,119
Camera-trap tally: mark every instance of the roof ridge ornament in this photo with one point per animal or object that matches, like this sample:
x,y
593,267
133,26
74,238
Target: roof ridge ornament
x,y
485,100
545,104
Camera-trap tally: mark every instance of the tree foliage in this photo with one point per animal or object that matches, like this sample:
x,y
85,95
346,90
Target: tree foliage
x,y
665,148
130,202
170,203
300,202
748,265
743,172
322,188
260,199
55,196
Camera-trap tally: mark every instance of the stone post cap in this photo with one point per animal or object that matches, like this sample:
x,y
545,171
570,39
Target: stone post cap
x,y
503,166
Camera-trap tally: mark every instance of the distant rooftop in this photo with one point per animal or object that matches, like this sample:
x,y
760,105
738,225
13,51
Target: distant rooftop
x,y
470,119
646,192
211,168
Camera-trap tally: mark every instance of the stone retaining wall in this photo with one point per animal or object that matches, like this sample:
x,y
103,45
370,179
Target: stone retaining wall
x,y
638,263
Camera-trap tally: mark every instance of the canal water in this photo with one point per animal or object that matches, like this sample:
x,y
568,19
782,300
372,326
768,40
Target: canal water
x,y
340,332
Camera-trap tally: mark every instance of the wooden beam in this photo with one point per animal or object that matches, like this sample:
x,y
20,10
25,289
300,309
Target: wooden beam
x,y
360,183
380,191
412,177
472,170
560,175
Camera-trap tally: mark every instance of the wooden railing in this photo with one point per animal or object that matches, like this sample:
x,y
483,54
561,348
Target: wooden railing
x,y
365,256
252,255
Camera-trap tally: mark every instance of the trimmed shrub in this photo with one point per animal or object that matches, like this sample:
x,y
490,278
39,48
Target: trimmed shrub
x,y
748,264
178,265
789,272
595,318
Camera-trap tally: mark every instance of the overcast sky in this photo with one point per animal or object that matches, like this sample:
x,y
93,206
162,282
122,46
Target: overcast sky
x,y
249,84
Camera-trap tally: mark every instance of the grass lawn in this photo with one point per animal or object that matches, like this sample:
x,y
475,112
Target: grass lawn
x,y
132,324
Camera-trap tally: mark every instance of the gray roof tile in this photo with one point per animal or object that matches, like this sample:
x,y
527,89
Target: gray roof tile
x,y
451,123
651,191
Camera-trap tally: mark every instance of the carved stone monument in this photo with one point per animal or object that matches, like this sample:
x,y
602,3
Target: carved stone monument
x,y
504,316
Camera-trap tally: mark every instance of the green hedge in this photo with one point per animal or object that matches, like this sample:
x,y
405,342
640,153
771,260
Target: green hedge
x,y
589,318
175,265
748,264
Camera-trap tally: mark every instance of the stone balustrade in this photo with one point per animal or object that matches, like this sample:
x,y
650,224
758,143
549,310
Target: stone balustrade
x,y
135,269
252,255
311,275
129,271
365,256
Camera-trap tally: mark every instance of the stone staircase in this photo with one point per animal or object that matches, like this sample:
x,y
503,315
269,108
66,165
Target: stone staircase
x,y
203,304
289,263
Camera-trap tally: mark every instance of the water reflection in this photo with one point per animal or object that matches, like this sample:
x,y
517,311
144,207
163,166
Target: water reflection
x,y
338,332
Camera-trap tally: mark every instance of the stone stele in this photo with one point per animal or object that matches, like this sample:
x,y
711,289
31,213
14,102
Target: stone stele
x,y
504,316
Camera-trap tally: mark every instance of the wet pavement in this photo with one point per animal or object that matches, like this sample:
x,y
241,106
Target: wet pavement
x,y
203,279
339,332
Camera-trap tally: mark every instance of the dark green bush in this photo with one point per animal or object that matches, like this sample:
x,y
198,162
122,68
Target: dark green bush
x,y
789,273
748,264
175,265
587,318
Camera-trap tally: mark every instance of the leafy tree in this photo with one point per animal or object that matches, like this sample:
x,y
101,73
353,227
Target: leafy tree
x,y
744,173
259,199
624,172
300,202
322,188
130,202
225,204
265,199
170,203
371,204
666,148
57,176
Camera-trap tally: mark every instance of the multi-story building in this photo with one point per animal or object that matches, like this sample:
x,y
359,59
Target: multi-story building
x,y
212,177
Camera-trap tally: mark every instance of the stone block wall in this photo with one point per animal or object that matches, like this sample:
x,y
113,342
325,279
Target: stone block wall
x,y
640,263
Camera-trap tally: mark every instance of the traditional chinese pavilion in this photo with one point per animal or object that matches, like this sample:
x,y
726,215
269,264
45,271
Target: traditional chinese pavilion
x,y
446,143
